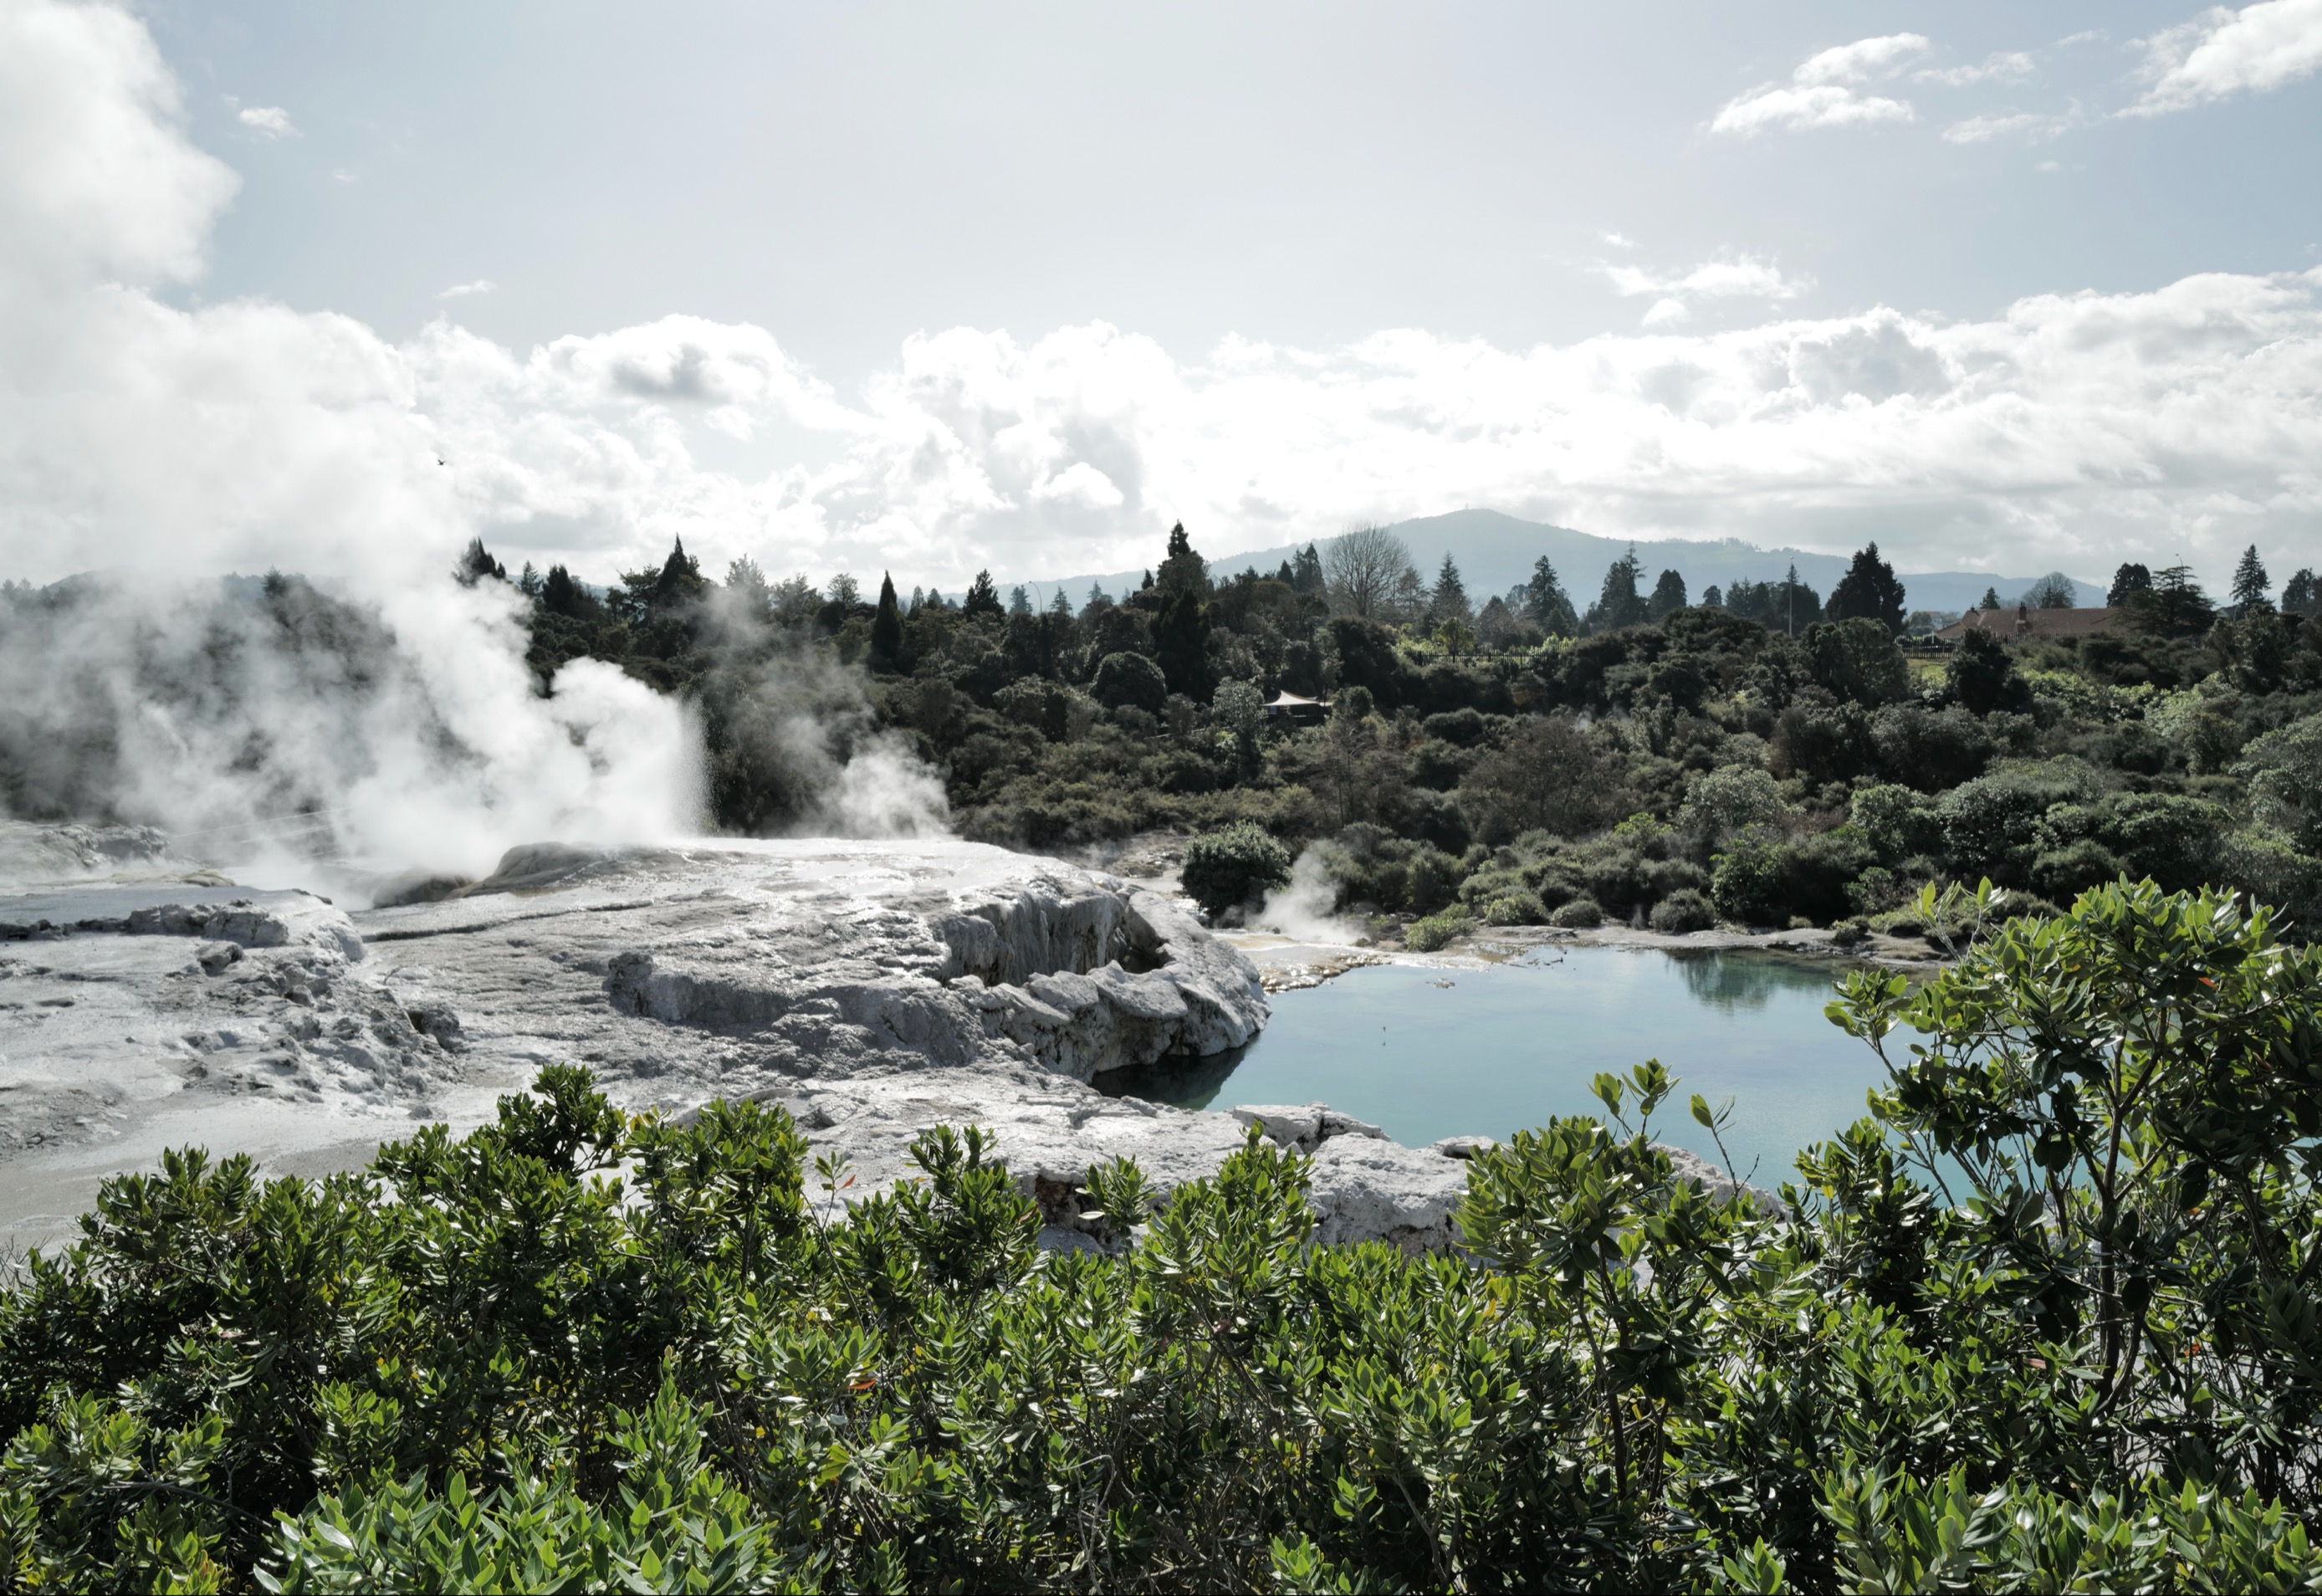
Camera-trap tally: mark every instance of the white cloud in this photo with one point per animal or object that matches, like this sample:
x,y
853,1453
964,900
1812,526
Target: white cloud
x,y
482,284
268,122
2222,53
2072,428
2012,66
2000,124
1821,92
1865,58
2068,430
1728,276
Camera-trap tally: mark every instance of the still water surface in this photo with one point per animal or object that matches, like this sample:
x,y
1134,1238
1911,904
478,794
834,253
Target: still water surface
x,y
1426,1054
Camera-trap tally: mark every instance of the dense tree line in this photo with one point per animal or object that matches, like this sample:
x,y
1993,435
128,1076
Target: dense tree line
x,y
2043,1321
1764,756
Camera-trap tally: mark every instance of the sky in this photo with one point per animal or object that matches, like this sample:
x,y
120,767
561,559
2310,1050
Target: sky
x,y
929,289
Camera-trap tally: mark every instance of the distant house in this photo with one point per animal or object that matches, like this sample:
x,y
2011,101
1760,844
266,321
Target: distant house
x,y
2012,625
1298,711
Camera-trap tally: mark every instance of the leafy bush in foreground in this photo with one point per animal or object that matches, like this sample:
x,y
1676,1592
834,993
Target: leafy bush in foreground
x,y
2045,1321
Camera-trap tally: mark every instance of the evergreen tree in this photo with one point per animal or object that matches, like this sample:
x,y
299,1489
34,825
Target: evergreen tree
x,y
1711,598
1449,602
1019,602
2300,596
2251,583
1800,608
1060,605
1669,594
2180,607
1869,590
530,582
2127,582
1618,603
1306,572
887,629
1981,678
1181,640
1547,605
1991,600
476,563
561,594
982,598
1183,571
680,578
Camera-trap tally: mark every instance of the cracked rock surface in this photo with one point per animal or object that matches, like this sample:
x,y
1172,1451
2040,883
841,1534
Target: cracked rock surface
x,y
874,988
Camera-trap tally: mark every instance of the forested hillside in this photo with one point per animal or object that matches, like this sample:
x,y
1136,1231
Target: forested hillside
x,y
1626,748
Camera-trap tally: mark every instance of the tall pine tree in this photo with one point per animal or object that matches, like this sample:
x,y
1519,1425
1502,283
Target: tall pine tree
x,y
2251,583
887,628
1868,590
1547,605
1618,603
1449,602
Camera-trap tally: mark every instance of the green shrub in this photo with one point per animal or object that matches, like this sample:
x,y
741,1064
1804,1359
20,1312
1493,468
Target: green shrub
x,y
1971,1348
1578,915
1430,879
1850,933
1682,912
1515,908
1875,891
1426,934
1236,865
1746,886
1131,681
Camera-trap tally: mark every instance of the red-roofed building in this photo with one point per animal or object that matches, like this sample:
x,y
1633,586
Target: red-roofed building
x,y
2021,622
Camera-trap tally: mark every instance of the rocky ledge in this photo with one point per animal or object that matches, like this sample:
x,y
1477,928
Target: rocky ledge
x,y
874,988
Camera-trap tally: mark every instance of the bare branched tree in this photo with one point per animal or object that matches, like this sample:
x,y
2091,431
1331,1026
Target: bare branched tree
x,y
2052,591
1362,567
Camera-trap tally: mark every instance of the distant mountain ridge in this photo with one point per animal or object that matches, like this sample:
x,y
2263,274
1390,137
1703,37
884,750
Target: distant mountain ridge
x,y
1494,552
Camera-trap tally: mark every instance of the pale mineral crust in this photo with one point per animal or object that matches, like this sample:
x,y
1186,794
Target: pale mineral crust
x,y
874,988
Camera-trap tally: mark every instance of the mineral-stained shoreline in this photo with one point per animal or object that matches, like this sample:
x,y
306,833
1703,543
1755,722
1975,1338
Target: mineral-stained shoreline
x,y
874,988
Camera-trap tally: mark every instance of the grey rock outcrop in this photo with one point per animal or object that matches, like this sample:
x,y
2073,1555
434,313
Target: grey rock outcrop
x,y
119,999
215,914
1304,1127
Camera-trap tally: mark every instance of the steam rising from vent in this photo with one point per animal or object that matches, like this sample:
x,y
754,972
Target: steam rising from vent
x,y
1306,907
795,746
266,727
266,724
